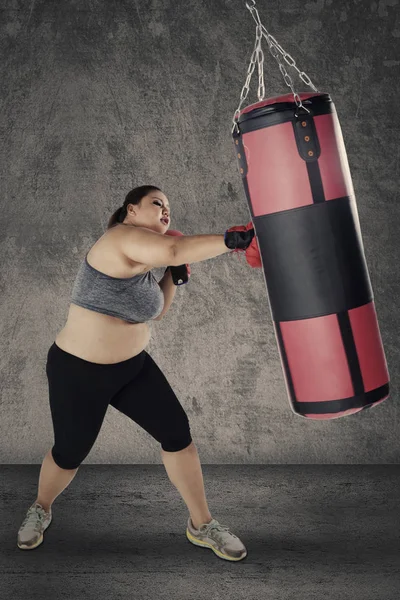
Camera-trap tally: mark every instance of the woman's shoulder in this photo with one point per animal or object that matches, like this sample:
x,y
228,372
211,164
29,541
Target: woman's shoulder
x,y
106,256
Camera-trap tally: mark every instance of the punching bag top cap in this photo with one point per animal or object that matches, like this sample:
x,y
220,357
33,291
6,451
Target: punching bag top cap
x,y
286,99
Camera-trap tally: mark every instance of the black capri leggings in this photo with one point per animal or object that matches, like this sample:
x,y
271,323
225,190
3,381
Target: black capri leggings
x,y
80,392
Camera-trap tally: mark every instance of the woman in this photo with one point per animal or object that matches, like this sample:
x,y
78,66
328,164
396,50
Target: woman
x,y
99,358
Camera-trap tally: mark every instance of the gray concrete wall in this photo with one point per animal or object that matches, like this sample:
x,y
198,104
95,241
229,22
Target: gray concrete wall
x,y
99,97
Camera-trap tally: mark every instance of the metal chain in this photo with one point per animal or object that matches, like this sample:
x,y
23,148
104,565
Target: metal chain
x,y
258,55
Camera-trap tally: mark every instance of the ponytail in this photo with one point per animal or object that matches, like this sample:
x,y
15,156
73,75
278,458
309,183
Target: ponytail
x,y
117,217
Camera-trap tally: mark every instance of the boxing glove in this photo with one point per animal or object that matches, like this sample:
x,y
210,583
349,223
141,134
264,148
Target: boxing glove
x,y
242,238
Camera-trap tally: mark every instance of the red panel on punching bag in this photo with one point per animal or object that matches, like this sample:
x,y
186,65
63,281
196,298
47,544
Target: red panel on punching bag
x,y
300,194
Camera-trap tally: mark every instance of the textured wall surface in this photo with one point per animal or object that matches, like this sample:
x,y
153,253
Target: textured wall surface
x,y
99,97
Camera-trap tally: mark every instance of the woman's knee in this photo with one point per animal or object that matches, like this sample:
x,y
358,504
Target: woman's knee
x,y
65,461
176,439
175,445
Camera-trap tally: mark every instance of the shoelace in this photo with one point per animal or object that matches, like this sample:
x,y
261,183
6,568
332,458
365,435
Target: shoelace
x,y
33,514
211,527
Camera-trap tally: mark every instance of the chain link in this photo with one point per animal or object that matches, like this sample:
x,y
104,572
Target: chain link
x,y
257,55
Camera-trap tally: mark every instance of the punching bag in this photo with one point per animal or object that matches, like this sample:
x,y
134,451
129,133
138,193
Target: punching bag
x,y
298,186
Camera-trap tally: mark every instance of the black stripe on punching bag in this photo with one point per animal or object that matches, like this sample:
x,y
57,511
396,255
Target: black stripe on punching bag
x,y
285,361
314,176
351,352
313,260
309,149
337,406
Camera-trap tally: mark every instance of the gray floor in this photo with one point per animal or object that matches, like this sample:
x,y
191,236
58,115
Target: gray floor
x,y
118,531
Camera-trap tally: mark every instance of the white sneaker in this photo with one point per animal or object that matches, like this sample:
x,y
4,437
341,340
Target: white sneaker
x,y
219,538
37,520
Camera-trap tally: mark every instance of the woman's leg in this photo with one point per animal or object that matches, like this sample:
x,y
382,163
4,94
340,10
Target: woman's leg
x,y
79,392
184,471
52,481
149,400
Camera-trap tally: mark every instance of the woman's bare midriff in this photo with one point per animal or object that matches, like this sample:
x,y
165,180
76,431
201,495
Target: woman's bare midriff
x,y
97,337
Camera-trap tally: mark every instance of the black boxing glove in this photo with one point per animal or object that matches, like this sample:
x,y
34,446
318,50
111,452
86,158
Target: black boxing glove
x,y
180,275
239,237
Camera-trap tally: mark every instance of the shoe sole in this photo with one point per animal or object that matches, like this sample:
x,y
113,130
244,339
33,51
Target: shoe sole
x,y
196,542
40,540
189,536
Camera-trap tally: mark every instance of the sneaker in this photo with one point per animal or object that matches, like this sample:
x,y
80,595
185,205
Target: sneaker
x,y
37,520
217,537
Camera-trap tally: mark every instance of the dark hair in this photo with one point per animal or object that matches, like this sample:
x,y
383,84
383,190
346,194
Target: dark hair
x,y
133,197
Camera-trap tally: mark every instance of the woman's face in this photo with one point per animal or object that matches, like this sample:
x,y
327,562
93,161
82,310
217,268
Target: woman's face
x,y
153,212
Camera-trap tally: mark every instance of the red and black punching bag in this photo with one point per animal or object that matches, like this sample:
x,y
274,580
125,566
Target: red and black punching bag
x,y
298,186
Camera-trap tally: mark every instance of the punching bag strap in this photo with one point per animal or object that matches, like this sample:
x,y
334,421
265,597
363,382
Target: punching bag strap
x,y
258,55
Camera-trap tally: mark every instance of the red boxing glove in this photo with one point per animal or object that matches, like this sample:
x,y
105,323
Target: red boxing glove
x,y
181,274
252,252
253,255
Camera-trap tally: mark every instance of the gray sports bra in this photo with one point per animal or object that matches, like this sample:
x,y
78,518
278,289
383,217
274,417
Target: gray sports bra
x,y
135,299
